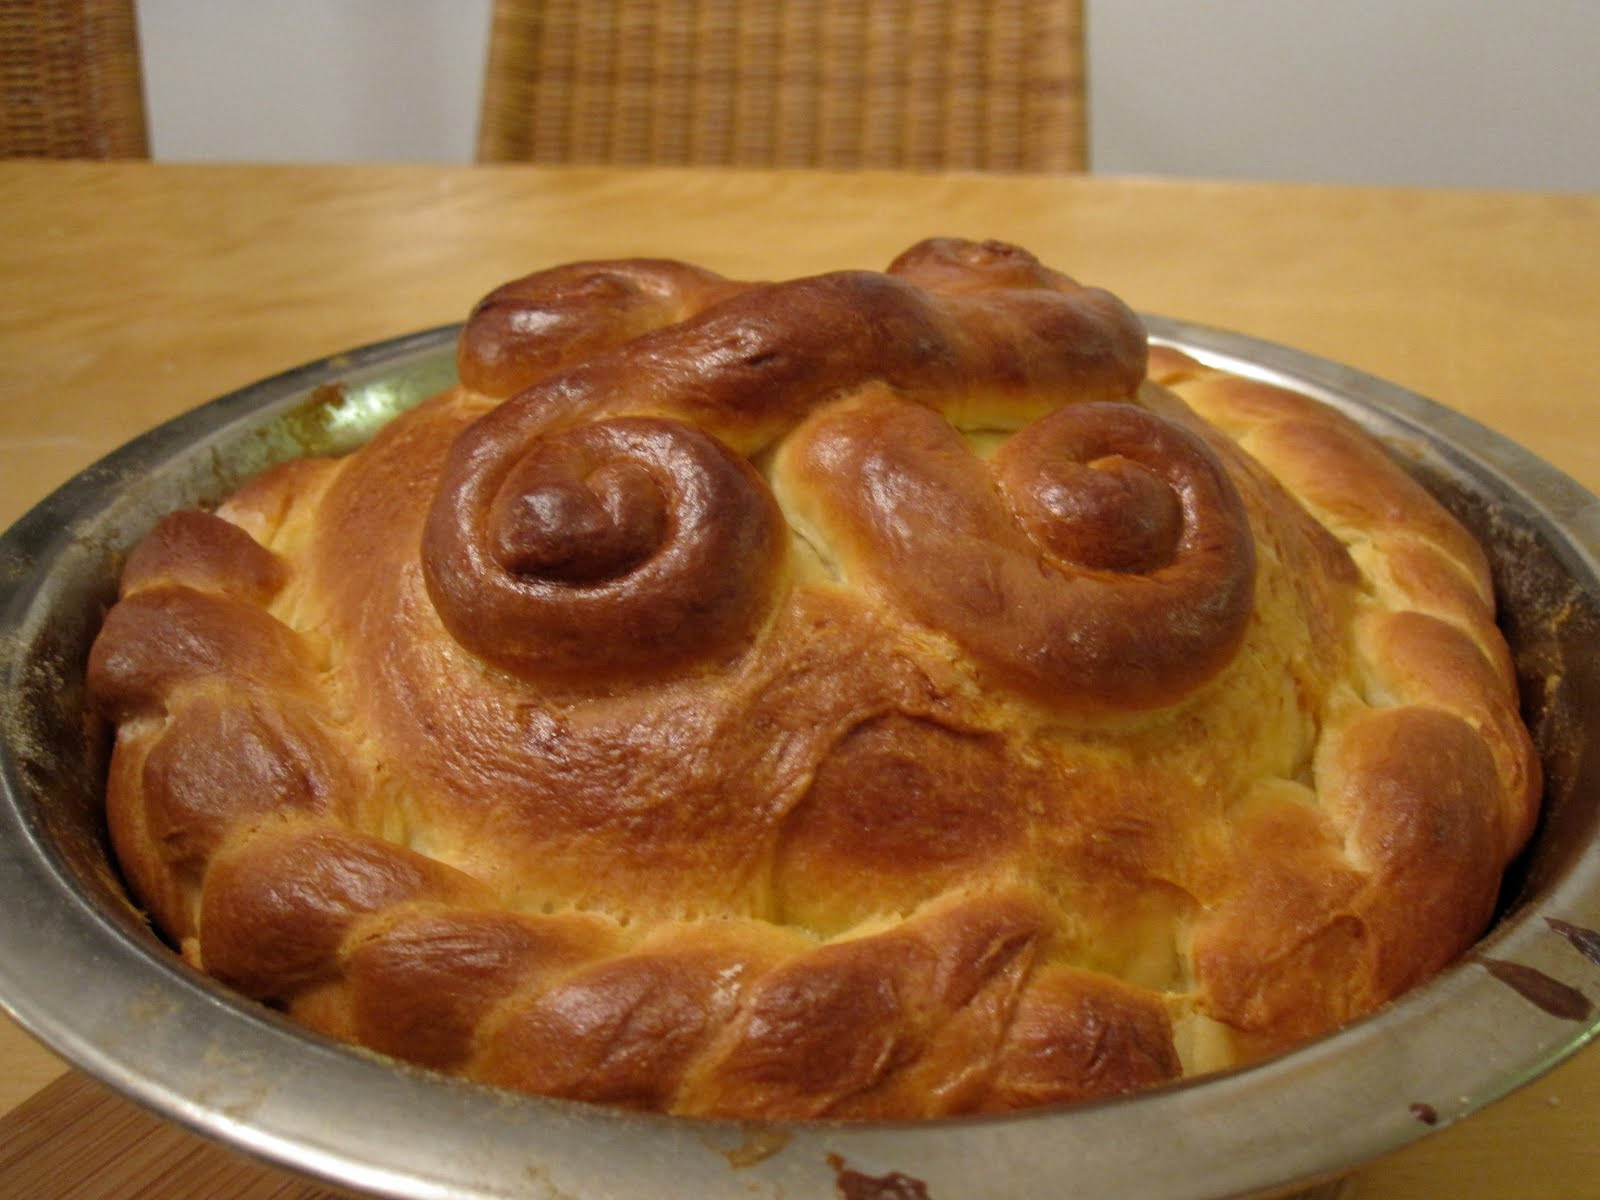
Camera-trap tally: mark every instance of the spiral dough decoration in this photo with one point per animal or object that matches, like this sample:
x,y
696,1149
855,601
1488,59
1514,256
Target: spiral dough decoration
x,y
615,495
627,542
1103,559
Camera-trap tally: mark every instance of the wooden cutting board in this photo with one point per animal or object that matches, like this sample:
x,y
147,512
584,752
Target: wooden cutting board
x,y
77,1140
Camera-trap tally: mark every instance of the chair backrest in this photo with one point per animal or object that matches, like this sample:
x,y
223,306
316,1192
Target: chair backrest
x,y
907,84
70,80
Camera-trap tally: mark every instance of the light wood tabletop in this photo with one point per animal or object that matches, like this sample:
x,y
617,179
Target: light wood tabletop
x,y
133,292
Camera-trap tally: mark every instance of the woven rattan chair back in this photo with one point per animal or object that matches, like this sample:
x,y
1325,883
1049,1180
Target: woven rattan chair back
x,y
905,84
70,80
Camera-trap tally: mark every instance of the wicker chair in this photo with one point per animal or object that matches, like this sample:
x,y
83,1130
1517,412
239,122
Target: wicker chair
x,y
907,84
70,80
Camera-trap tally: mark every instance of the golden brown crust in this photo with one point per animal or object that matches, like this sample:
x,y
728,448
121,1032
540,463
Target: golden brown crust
x,y
1103,559
866,696
533,326
631,545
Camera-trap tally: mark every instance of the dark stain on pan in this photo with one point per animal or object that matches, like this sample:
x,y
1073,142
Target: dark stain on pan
x,y
1585,941
1533,985
853,1185
1426,1113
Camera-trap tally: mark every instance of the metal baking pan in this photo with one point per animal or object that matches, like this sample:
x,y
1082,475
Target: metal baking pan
x,y
82,971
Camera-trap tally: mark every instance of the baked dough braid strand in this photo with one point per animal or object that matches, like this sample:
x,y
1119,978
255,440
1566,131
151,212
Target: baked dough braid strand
x,y
1425,779
218,724
1429,637
948,1011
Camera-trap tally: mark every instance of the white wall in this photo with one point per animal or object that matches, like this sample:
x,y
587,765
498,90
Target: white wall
x,y
313,80
1467,93
1433,92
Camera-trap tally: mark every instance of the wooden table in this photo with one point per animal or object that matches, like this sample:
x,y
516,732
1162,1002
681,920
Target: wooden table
x,y
132,292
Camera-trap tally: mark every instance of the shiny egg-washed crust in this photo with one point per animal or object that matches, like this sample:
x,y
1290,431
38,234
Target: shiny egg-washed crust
x,y
875,695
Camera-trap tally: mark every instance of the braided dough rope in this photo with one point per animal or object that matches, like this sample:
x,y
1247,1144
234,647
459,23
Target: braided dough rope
x,y
865,696
1426,775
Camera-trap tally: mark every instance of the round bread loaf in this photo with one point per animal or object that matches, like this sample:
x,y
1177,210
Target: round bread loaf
x,y
876,695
